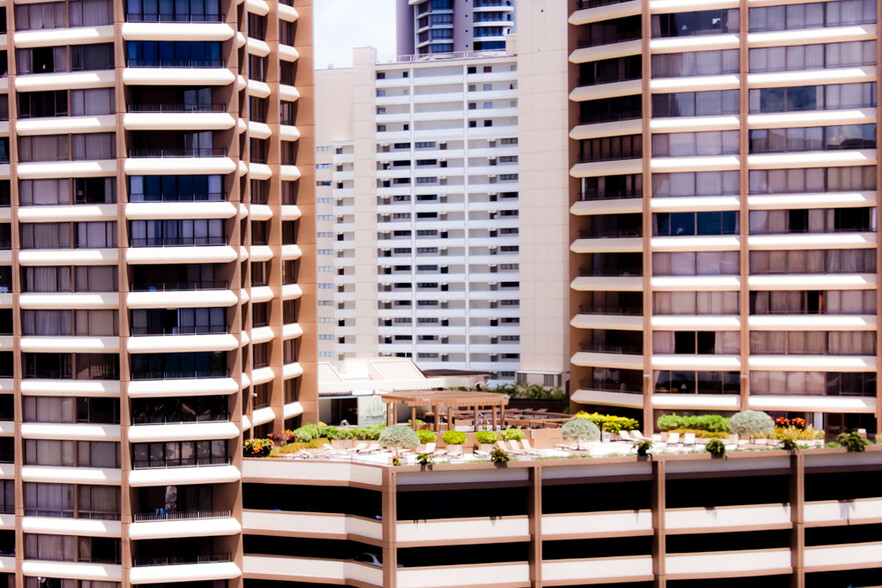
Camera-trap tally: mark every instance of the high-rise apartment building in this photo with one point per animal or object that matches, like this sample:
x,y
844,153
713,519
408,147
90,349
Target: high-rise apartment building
x,y
724,208
426,215
157,283
444,26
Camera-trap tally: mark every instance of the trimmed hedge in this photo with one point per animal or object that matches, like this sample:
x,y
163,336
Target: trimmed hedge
x,y
713,423
609,422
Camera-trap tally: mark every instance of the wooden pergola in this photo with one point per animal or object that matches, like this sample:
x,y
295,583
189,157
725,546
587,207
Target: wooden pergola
x,y
464,401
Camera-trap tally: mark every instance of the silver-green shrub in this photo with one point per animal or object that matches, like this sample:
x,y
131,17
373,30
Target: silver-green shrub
x,y
752,423
581,430
400,436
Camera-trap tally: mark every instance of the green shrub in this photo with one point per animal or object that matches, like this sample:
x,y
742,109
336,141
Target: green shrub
x,y
752,423
454,437
426,436
609,422
832,444
335,434
256,447
307,433
715,447
529,391
581,430
399,436
512,435
367,433
713,423
643,447
499,455
486,437
853,441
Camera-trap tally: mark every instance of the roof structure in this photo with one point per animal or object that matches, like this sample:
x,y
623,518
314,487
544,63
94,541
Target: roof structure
x,y
376,375
449,401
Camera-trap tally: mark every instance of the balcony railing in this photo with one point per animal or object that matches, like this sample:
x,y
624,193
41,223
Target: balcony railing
x,y
160,514
583,4
177,108
169,17
611,310
177,241
621,271
183,63
178,374
178,152
179,286
603,117
611,195
181,417
209,197
610,387
610,39
610,348
169,330
173,560
620,234
184,462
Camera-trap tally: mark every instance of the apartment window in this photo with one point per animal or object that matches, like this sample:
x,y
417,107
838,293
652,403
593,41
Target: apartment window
x,y
700,63
816,261
813,302
66,322
692,144
800,98
49,15
175,54
96,454
693,382
815,179
610,109
813,383
50,409
611,148
815,15
696,342
816,220
288,152
187,232
606,71
695,223
96,101
174,11
695,303
55,59
711,103
695,184
702,263
287,72
49,500
257,26
813,343
89,235
802,57
67,191
289,350
813,139
178,454
67,147
688,24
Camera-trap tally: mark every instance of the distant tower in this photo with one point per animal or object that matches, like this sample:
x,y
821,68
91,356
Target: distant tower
x,y
435,26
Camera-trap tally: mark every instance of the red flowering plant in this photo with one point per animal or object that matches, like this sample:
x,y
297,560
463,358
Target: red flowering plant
x,y
256,447
283,438
796,423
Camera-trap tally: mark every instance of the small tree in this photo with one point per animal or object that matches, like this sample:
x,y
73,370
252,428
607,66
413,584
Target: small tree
x,y
399,437
752,423
580,430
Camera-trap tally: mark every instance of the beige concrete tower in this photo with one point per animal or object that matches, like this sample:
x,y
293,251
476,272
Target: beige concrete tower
x,y
724,208
158,278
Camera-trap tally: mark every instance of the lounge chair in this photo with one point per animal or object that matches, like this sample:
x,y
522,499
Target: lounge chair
x,y
373,447
689,439
673,438
430,448
501,445
515,448
359,447
454,450
637,435
528,449
625,435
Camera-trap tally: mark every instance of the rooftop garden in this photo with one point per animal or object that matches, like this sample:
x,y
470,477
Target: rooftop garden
x,y
583,436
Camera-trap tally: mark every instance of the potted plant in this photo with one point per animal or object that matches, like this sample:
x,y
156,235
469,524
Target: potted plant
x,y
256,447
486,439
581,430
512,435
643,447
854,441
454,441
499,456
716,447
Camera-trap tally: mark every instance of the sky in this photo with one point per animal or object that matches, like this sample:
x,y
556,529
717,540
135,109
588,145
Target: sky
x,y
341,25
